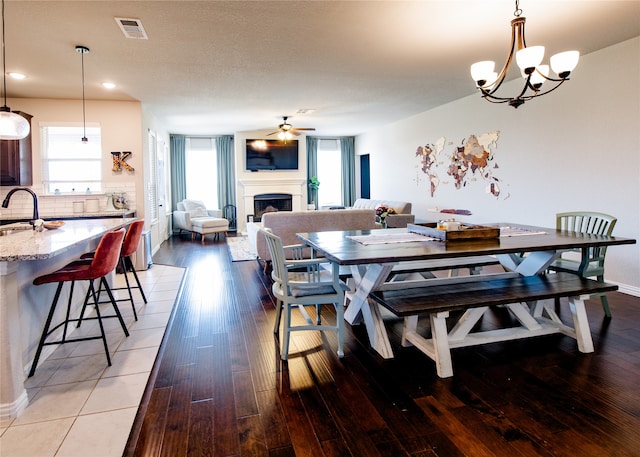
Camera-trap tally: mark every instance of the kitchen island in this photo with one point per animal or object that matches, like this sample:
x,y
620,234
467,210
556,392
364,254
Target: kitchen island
x,y
24,255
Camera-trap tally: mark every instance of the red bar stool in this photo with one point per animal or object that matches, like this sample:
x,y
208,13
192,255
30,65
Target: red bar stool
x,y
129,247
104,262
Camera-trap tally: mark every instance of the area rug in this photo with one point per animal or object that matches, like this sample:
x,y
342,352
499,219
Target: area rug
x,y
240,249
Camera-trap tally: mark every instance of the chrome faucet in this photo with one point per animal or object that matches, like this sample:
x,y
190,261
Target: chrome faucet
x,y
36,216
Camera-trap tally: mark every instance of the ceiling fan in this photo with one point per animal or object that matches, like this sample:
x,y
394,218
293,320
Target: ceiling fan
x,y
285,130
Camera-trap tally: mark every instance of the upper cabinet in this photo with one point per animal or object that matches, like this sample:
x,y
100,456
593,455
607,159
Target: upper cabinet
x,y
15,160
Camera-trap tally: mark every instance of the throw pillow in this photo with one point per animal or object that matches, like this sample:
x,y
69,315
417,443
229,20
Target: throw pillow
x,y
195,207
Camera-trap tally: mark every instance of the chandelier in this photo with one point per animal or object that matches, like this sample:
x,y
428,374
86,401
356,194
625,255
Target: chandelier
x,y
529,59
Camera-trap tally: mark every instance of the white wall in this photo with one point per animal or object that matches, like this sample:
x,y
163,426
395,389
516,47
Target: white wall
x,y
575,149
120,124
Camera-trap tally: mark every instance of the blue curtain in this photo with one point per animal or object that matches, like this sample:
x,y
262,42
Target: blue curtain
x,y
348,156
177,147
226,171
312,164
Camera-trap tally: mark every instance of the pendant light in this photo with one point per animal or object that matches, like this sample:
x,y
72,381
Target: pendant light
x,y
12,125
83,50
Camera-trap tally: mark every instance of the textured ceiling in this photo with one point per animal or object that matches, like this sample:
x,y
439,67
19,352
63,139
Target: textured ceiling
x,y
213,67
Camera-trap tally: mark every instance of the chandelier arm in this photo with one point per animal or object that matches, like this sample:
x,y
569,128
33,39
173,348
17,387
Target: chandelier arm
x,y
538,94
520,96
495,100
517,43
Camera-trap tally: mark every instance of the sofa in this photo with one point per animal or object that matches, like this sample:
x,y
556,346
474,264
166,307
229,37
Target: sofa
x,y
194,217
286,224
402,215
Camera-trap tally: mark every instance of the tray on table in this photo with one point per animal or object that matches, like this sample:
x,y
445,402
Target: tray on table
x,y
469,232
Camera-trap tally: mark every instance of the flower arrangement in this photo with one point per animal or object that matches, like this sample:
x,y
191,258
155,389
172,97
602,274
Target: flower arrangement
x,y
382,212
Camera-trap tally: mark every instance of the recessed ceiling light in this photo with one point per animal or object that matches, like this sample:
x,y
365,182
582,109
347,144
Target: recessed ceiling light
x,y
305,111
108,85
15,75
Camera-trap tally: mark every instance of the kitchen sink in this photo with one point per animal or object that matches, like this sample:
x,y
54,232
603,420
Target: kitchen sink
x,y
15,227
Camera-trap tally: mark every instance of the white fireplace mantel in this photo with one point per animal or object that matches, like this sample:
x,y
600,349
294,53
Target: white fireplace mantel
x,y
248,188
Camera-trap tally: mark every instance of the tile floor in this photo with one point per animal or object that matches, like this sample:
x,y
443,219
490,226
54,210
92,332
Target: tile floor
x,y
78,405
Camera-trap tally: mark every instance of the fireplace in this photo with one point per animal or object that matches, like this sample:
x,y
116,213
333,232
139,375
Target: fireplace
x,y
264,203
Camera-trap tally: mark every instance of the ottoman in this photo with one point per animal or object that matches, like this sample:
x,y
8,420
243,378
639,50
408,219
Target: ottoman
x,y
207,225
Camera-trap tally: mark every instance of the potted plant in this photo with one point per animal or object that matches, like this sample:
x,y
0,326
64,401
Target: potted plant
x,y
314,185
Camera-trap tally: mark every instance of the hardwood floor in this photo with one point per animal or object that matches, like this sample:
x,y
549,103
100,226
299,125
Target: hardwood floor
x,y
219,387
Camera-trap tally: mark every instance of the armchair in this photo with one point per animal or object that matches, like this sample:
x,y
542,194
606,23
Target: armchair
x,y
193,216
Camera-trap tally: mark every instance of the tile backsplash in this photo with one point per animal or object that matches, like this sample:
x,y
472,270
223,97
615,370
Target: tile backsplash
x,y
21,204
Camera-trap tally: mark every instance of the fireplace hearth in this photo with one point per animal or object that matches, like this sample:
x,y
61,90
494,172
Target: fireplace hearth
x,y
264,203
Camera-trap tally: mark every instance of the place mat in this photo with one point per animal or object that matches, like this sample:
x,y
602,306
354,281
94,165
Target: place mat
x,y
390,238
519,231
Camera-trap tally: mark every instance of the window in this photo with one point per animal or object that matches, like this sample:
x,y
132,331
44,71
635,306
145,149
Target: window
x,y
329,173
201,171
63,154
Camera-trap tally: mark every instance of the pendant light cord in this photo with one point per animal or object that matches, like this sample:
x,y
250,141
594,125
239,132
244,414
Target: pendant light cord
x,y
84,119
83,50
4,64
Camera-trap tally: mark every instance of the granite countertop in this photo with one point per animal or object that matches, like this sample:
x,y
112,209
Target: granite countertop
x,y
33,245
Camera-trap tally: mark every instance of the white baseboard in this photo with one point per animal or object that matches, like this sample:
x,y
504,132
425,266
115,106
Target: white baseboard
x,y
12,410
627,289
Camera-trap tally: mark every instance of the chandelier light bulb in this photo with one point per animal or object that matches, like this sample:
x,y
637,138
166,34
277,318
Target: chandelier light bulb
x,y
492,81
539,76
529,58
481,71
563,63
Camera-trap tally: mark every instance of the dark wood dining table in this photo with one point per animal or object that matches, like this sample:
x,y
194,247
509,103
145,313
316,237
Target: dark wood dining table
x,y
520,249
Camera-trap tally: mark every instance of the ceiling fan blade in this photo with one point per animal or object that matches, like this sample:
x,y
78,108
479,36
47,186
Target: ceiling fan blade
x,y
304,128
272,133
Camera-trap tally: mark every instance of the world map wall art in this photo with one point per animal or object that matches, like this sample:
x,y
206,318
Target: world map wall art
x,y
441,161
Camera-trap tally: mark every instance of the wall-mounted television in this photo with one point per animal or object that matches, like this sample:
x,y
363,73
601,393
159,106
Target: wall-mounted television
x,y
271,155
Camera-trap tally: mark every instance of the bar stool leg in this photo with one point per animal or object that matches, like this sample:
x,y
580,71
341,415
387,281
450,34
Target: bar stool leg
x,y
115,306
85,304
102,333
126,280
112,300
135,275
66,321
47,324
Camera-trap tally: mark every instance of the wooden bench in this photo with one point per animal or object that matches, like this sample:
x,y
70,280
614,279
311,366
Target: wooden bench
x,y
529,298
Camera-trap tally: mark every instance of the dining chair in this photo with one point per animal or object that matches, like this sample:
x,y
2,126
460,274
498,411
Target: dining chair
x,y
591,265
103,263
302,284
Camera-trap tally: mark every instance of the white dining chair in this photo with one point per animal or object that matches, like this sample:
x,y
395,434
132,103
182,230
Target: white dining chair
x,y
300,284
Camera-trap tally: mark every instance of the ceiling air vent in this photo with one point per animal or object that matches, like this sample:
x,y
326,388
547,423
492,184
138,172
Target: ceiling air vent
x,y
132,28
